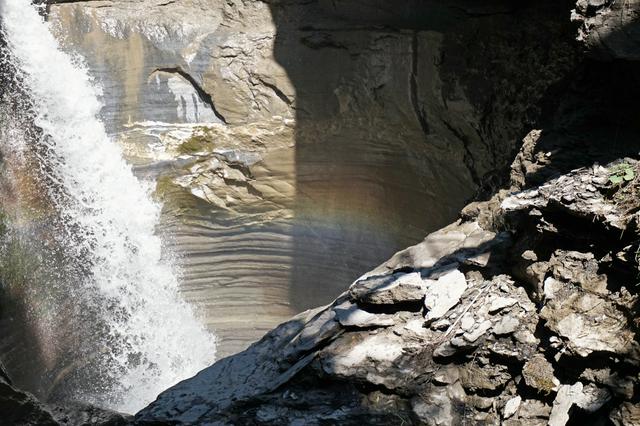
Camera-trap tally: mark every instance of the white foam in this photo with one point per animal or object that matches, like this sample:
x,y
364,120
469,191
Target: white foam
x,y
116,217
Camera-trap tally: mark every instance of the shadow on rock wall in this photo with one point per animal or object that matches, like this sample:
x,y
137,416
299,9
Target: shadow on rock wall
x,y
322,366
404,112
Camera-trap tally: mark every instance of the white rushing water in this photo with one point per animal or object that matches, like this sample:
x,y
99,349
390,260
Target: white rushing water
x,y
113,218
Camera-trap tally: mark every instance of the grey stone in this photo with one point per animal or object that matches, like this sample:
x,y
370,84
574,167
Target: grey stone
x,y
350,315
511,407
500,303
506,325
588,322
389,289
443,294
626,414
478,332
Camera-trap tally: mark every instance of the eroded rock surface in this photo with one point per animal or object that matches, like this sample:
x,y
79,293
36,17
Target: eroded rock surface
x,y
285,137
480,323
536,324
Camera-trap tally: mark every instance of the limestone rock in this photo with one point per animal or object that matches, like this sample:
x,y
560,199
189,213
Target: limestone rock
x,y
588,322
500,303
479,331
475,378
533,410
390,289
568,395
457,242
588,398
349,315
511,407
507,325
443,294
578,268
437,407
570,192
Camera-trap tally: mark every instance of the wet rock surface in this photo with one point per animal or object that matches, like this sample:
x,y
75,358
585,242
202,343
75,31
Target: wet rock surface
x,y
522,312
297,144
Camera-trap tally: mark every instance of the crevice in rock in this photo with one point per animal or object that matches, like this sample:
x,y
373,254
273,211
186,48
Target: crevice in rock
x,y
406,306
279,93
202,94
468,159
413,85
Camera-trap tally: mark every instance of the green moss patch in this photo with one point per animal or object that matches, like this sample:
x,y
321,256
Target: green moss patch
x,y
201,140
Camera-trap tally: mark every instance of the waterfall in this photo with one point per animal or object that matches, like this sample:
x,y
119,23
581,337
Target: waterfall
x,y
107,284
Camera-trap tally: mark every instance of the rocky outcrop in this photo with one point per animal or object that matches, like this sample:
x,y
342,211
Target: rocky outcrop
x,y
295,134
530,324
607,28
524,311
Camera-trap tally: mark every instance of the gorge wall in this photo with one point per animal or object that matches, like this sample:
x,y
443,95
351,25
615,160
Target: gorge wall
x,y
522,312
297,144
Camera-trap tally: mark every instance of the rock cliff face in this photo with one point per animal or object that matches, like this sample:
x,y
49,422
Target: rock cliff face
x,y
524,311
298,144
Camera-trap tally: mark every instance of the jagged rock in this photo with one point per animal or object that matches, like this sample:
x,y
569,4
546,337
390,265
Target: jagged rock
x,y
443,294
500,303
370,357
21,408
479,331
507,325
467,322
589,398
589,323
579,269
572,193
441,324
568,395
620,385
447,375
76,413
387,290
438,407
458,242
511,407
349,315
475,378
532,409
608,29
593,398
627,414
319,329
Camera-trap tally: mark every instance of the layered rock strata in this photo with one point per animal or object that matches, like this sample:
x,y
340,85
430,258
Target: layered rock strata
x,y
529,322
524,311
304,141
